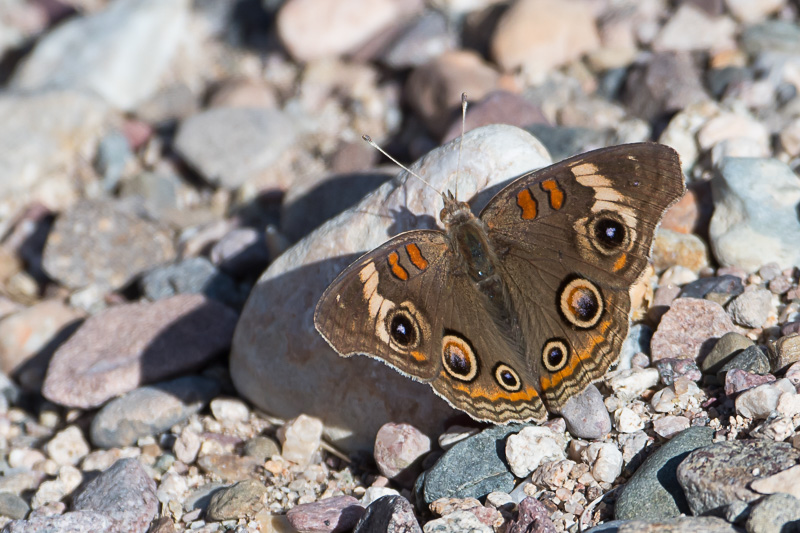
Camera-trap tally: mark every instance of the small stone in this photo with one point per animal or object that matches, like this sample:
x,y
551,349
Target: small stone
x,y
705,31
725,349
685,249
229,410
585,415
398,452
68,446
374,493
784,352
241,252
533,516
124,493
552,474
751,308
627,421
228,467
716,288
737,381
244,498
422,40
653,492
13,506
760,401
195,275
87,521
684,330
785,481
751,12
721,473
150,410
669,369
683,524
390,514
605,460
789,404
331,515
526,450
107,355
669,426
529,36
631,383
300,439
105,245
751,359
777,512
186,447
261,448
457,521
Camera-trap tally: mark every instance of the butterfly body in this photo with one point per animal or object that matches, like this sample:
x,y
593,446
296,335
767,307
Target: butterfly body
x,y
509,314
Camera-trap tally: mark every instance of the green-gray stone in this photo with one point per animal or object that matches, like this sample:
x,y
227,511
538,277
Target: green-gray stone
x,y
653,492
776,512
13,506
473,467
725,349
751,359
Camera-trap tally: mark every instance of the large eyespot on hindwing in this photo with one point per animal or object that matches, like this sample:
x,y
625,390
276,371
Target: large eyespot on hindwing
x,y
580,302
555,354
404,327
507,377
609,232
458,357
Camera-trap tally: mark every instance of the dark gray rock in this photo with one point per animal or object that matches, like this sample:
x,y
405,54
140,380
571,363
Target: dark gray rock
x,y
473,467
150,410
653,492
728,285
725,349
261,448
124,493
751,359
388,514
716,475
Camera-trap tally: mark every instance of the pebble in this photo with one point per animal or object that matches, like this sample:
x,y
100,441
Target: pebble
x,y
390,514
719,289
241,252
671,248
487,472
420,41
455,522
194,275
120,53
260,448
684,524
627,421
751,12
28,339
300,439
115,351
653,492
151,410
777,512
737,380
725,349
690,28
668,426
229,410
336,514
668,82
552,474
340,28
244,498
124,493
104,245
13,506
68,446
721,473
230,468
85,521
785,352
399,450
751,359
785,482
533,516
605,460
585,416
670,369
758,402
751,309
743,231
631,383
373,493
230,146
685,330
537,35
526,450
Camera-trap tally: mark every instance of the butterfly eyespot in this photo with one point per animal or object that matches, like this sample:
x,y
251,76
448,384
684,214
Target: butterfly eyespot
x,y
459,358
507,378
580,303
404,329
555,355
610,233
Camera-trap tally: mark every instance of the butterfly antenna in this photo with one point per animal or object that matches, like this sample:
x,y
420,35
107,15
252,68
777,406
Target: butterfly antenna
x,y
461,139
372,143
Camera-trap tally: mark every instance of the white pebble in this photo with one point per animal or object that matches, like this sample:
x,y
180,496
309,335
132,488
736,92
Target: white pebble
x,y
606,461
229,410
668,426
68,446
187,446
631,383
627,421
373,493
789,404
300,439
526,450
24,458
759,402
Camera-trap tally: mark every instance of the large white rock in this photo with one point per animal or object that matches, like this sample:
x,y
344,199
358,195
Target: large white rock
x,y
120,53
755,219
279,361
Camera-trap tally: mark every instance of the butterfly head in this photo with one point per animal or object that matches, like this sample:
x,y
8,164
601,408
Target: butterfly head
x,y
454,212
